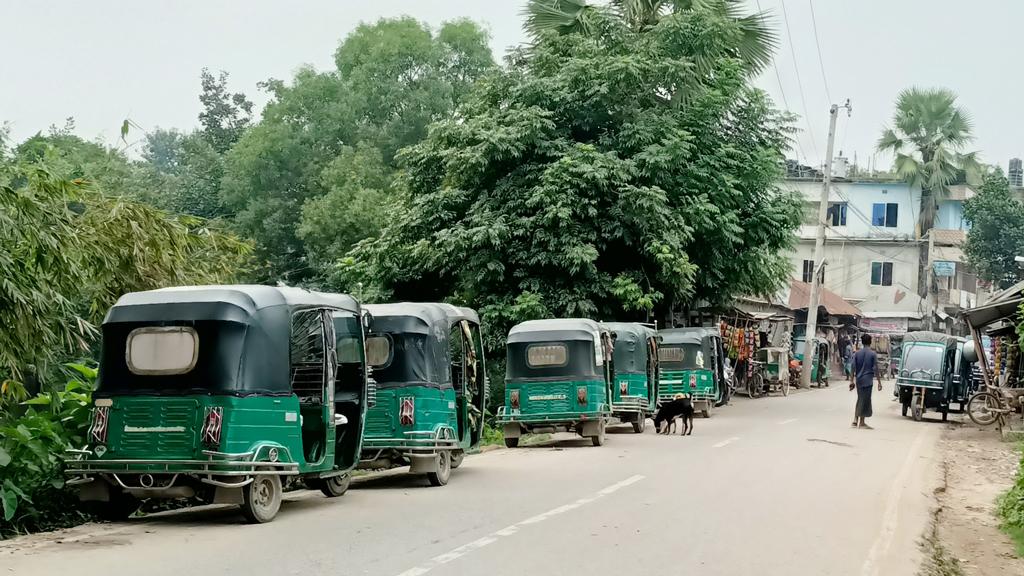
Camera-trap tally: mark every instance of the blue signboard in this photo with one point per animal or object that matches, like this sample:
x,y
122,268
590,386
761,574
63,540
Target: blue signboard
x,y
943,268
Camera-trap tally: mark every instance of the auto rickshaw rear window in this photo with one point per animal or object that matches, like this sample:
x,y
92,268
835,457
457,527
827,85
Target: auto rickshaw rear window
x,y
162,350
378,351
541,355
682,356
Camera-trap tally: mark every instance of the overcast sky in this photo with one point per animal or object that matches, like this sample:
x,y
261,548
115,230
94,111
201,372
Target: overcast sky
x,y
102,61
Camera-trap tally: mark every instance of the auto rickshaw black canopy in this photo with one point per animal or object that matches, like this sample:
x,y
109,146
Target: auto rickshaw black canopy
x,y
686,335
244,337
930,337
419,333
580,336
630,352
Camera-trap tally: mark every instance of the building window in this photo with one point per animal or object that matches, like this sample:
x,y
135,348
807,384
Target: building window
x,y
881,273
885,215
808,272
837,213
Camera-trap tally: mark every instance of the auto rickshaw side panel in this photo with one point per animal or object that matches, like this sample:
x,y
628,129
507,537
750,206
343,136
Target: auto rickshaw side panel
x,y
404,409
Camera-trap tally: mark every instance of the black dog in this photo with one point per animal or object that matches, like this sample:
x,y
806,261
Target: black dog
x,y
669,411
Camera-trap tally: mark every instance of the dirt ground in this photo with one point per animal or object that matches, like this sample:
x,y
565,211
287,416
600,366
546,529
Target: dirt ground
x,y
978,468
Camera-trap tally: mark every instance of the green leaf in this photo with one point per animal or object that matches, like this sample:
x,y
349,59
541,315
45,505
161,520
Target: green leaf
x,y
10,504
5,457
88,373
9,485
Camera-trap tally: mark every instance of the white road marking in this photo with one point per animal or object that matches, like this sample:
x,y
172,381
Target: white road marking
x,y
724,443
890,518
790,421
510,530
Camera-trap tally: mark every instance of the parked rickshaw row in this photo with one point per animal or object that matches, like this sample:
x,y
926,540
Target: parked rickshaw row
x,y
230,393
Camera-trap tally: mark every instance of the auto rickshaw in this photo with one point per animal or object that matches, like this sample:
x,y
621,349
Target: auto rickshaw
x,y
635,369
692,361
226,393
821,365
926,377
427,361
771,372
558,378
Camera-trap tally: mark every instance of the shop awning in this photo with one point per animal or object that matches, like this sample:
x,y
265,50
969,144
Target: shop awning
x,y
992,312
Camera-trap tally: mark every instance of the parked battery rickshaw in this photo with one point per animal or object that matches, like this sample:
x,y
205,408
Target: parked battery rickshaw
x,y
427,361
557,379
225,393
635,369
821,364
771,372
926,377
692,361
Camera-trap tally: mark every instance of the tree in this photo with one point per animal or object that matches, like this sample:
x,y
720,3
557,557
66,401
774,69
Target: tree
x,y
162,150
756,37
225,115
996,236
393,78
68,250
572,184
928,135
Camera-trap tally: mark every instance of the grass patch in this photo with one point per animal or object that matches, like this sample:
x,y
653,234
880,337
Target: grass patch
x,y
534,439
1011,509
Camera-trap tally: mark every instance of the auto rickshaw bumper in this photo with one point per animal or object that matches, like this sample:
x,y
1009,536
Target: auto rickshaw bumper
x,y
164,477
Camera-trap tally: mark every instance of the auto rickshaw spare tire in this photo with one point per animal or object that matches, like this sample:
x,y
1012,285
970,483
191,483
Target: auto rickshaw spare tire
x,y
979,408
332,487
444,469
261,498
119,508
640,423
457,457
512,442
598,439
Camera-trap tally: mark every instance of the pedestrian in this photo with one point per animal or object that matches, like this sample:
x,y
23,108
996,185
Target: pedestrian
x,y
865,369
847,358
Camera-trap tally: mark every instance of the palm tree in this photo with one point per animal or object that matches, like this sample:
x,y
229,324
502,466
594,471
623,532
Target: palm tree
x,y
759,39
928,136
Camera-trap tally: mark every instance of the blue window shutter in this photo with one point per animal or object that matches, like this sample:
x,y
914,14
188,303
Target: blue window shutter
x,y
878,214
891,214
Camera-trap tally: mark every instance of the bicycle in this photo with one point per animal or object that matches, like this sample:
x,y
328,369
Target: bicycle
x,y
992,405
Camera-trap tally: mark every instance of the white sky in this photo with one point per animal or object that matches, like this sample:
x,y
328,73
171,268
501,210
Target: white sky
x,y
104,60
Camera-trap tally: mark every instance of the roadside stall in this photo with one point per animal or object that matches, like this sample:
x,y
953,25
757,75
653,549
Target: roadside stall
x,y
994,338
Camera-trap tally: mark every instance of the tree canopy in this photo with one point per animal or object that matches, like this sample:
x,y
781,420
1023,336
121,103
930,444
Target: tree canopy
x,y
575,182
393,78
996,236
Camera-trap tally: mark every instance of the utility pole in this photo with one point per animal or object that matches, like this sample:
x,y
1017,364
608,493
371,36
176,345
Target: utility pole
x,y
819,252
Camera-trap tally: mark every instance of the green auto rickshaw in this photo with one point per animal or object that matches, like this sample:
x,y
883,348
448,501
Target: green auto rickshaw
x,y
821,364
226,393
635,370
927,376
427,361
557,378
692,361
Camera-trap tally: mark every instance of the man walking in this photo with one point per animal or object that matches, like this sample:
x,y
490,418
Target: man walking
x,y
865,369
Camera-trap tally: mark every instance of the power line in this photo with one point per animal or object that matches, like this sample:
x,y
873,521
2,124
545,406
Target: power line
x,y
778,80
799,82
817,43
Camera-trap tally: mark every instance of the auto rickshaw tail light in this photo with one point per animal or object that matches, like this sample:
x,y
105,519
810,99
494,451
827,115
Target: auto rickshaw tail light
x,y
407,411
513,399
624,387
581,395
693,380
212,425
100,424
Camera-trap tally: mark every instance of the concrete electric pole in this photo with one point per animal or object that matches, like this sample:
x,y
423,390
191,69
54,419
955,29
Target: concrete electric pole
x,y
819,252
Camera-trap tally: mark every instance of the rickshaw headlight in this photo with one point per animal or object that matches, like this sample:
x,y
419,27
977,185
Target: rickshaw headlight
x,y
513,399
581,395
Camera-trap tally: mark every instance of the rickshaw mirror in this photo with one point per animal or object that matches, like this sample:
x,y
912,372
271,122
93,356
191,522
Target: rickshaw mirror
x,y
969,353
378,351
367,320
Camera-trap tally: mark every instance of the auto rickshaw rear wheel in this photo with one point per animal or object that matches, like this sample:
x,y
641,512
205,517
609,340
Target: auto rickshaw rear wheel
x,y
457,457
444,469
640,423
598,439
915,408
261,498
511,442
120,506
331,487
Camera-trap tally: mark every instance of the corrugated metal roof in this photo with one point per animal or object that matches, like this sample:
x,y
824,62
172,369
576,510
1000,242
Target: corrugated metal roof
x,y
799,293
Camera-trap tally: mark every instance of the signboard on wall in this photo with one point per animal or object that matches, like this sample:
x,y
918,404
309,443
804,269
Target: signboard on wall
x,y
883,325
944,268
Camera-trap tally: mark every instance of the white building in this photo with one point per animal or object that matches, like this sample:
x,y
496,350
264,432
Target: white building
x,y
873,256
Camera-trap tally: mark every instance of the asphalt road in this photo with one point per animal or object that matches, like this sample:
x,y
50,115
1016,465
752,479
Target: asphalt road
x,y
769,486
